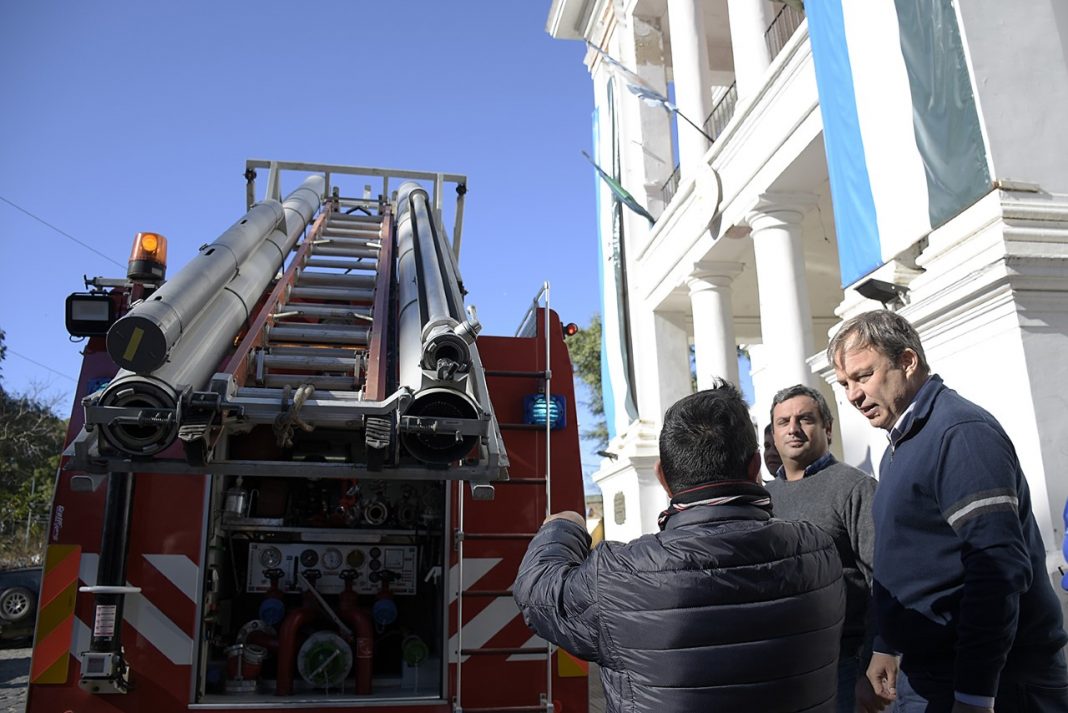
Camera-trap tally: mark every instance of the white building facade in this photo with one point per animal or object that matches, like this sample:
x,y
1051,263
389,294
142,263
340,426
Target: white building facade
x,y
869,153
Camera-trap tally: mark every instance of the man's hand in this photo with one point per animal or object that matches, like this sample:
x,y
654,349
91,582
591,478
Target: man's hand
x,y
568,515
882,673
866,698
959,707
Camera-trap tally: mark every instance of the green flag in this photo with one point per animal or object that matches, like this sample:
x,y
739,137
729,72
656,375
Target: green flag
x,y
620,192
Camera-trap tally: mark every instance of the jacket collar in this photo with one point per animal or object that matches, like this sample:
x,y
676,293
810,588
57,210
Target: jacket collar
x,y
825,460
918,411
715,513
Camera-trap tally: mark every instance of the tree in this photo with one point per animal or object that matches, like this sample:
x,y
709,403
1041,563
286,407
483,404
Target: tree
x,y
31,437
30,434
585,350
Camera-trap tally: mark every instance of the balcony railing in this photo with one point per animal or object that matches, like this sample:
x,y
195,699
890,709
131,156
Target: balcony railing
x,y
782,28
667,191
722,112
714,124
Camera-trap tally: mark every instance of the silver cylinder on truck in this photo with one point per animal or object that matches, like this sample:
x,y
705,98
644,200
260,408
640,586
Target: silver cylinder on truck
x,y
434,355
209,335
142,340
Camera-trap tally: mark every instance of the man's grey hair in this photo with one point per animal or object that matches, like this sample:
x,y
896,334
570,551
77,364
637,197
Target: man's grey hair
x,y
801,390
882,330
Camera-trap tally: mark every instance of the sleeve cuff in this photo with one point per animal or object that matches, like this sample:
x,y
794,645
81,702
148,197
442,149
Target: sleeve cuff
x,y
977,701
879,646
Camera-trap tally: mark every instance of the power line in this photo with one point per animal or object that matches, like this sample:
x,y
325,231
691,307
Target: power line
x,y
43,366
64,234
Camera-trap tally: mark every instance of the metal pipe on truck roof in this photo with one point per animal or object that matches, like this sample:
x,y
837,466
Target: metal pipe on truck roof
x,y
430,319
142,340
210,333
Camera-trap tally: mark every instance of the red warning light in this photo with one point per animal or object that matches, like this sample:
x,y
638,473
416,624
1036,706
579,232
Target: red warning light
x,y
570,329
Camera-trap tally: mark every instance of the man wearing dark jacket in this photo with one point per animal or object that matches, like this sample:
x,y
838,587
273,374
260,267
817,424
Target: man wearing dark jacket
x,y
725,609
960,584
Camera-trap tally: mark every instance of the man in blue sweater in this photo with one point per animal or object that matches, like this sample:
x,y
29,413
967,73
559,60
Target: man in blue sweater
x,y
963,601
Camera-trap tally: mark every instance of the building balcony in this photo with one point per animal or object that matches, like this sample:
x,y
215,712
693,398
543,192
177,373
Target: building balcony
x,y
761,143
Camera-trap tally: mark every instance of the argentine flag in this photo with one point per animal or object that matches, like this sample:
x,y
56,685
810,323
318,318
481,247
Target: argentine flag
x,y
905,149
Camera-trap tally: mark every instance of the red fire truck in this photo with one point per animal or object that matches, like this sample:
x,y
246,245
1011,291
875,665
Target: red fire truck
x,y
298,478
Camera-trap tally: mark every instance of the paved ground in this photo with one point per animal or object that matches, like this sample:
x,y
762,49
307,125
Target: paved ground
x,y
14,676
15,671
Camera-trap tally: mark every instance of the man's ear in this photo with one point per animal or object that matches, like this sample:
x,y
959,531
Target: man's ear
x,y
663,481
754,467
909,361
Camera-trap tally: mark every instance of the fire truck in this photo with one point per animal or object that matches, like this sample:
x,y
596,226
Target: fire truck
x,y
298,477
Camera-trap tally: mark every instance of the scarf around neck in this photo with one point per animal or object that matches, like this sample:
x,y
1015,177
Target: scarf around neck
x,y
720,492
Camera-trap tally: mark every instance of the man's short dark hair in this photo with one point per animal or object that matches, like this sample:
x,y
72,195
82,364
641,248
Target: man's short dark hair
x,y
707,436
884,331
801,390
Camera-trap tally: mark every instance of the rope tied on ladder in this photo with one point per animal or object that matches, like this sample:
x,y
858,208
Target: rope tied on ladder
x,y
290,416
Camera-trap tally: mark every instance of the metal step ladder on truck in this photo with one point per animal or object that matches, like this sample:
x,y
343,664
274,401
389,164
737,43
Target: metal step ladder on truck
x,y
299,478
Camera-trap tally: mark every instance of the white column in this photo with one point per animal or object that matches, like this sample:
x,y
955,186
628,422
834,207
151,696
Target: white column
x,y
645,131
689,61
785,312
749,20
715,350
671,345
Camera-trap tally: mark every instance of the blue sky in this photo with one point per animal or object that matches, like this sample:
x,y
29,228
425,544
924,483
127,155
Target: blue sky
x,y
126,116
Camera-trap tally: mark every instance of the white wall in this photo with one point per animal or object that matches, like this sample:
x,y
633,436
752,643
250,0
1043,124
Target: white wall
x,y
1019,60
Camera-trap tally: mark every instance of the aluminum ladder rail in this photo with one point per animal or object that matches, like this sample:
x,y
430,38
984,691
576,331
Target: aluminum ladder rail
x,y
462,535
322,332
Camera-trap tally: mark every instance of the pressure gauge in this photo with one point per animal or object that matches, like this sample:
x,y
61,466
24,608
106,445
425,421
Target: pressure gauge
x,y
309,558
355,558
270,557
331,558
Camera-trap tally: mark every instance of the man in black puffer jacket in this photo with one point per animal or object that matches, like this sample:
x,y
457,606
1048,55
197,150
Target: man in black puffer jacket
x,y
726,609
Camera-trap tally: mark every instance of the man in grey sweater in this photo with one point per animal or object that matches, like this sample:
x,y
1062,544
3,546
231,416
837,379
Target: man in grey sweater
x,y
812,486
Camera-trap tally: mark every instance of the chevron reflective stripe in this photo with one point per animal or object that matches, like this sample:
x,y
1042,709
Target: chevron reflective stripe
x,y
485,625
567,664
144,616
475,568
55,616
534,642
180,570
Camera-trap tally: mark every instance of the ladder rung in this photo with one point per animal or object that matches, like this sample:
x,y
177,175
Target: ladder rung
x,y
355,218
505,709
326,250
346,241
308,309
307,278
341,264
319,382
517,374
499,535
487,651
296,350
326,334
334,231
256,392
332,293
314,363
486,593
